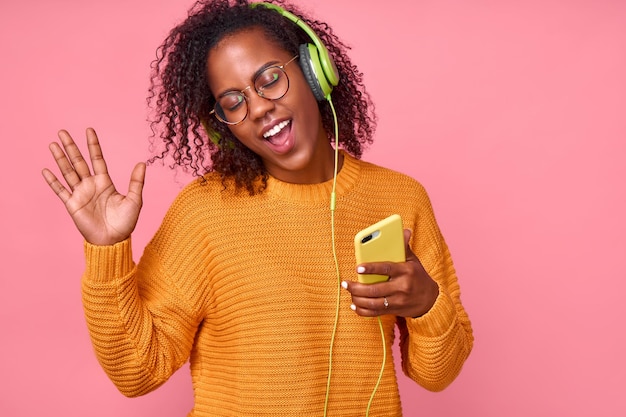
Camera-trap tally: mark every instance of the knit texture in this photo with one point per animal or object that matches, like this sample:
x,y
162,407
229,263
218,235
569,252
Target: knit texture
x,y
245,288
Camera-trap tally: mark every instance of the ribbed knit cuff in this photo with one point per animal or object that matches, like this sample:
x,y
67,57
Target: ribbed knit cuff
x,y
438,320
107,263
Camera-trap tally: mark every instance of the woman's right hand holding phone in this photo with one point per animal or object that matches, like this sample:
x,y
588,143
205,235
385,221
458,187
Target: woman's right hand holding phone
x,y
102,215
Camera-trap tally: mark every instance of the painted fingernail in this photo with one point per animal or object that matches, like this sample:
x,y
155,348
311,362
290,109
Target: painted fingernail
x,y
352,307
344,285
360,269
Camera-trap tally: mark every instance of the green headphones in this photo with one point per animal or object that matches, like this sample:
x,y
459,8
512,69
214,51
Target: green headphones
x,y
317,65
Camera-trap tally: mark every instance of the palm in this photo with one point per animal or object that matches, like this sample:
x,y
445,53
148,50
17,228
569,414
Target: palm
x,y
102,215
100,212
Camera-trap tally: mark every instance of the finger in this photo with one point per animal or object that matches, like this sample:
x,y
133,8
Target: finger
x,y
371,307
386,269
56,185
410,255
367,303
65,166
407,248
368,300
95,153
369,291
74,155
137,181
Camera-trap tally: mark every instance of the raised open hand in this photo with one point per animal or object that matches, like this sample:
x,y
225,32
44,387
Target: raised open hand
x,y
102,215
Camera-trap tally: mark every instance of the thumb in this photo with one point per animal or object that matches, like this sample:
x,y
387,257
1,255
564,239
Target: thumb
x,y
137,180
410,256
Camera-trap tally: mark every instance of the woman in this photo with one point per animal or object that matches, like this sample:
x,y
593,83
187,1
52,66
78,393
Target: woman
x,y
251,276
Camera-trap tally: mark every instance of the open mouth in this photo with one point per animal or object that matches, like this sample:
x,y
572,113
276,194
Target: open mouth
x,y
271,134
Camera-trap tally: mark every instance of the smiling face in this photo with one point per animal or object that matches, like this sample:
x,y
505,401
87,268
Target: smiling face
x,y
286,133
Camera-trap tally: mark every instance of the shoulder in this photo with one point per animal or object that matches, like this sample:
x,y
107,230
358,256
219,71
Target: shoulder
x,y
206,186
390,178
212,191
200,193
202,205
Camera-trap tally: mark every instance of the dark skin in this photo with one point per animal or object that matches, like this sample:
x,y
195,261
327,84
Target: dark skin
x,y
101,214
410,291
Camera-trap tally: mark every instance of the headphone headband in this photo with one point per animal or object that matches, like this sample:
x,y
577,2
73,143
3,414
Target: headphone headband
x,y
325,60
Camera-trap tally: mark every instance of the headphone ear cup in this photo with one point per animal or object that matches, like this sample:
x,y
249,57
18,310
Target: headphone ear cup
x,y
313,72
214,136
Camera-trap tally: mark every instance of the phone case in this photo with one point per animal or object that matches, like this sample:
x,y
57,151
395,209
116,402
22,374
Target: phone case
x,y
380,242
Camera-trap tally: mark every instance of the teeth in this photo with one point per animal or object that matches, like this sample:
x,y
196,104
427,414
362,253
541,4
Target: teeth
x,y
276,129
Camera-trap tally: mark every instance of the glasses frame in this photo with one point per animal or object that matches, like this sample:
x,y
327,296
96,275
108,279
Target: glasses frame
x,y
259,93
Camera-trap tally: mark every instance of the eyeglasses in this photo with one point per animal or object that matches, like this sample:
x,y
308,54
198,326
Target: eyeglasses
x,y
272,84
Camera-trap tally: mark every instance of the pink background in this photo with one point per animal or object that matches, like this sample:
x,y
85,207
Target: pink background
x,y
511,113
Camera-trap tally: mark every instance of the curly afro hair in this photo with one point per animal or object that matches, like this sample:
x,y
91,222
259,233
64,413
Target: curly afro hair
x,y
182,102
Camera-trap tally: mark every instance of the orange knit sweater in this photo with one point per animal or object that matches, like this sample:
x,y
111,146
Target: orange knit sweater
x,y
245,288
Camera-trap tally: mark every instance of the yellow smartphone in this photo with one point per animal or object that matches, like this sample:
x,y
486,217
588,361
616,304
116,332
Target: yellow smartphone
x,y
380,242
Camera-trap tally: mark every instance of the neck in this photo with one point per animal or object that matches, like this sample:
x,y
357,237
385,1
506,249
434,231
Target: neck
x,y
320,167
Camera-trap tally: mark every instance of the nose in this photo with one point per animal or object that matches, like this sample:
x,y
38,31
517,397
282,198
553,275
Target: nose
x,y
258,106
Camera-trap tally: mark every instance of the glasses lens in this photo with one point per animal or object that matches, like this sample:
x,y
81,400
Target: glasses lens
x,y
231,108
272,83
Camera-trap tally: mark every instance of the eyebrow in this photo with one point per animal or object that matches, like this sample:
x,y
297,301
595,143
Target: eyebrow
x,y
254,76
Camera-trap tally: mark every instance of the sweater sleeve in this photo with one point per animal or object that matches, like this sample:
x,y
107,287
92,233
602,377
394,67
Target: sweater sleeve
x,y
435,346
142,332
